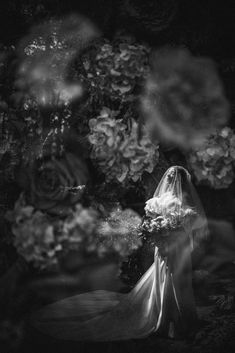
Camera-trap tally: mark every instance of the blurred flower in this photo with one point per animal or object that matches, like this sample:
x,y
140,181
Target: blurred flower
x,y
79,229
43,240
119,233
119,153
86,232
46,54
115,69
34,235
183,98
213,162
54,185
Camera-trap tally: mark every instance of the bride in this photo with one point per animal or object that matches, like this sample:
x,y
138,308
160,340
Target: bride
x,y
162,301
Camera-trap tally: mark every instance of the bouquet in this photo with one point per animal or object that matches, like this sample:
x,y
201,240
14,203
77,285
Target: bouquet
x,y
165,214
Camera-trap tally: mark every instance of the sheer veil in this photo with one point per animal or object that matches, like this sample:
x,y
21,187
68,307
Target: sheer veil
x,y
177,182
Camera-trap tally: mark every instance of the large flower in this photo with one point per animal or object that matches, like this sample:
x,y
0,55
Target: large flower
x,y
79,229
213,162
34,235
45,57
44,240
56,184
115,69
183,99
119,153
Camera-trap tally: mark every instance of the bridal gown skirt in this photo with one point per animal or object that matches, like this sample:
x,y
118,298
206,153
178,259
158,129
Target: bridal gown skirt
x,y
162,301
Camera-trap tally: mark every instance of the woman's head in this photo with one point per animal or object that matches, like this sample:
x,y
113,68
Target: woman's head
x,y
177,181
177,171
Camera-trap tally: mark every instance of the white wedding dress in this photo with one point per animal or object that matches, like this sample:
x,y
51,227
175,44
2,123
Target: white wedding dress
x,y
162,301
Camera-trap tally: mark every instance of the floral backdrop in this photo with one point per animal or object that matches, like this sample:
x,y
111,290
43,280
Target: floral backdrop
x,y
92,112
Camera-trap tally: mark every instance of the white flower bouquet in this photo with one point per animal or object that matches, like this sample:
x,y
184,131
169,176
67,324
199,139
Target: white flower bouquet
x,y
165,213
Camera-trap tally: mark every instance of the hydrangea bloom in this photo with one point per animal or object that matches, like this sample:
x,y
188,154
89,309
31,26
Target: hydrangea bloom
x,y
34,235
79,230
213,162
114,69
118,152
41,240
183,99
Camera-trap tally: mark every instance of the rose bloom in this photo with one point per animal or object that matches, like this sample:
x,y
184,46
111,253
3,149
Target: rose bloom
x,y
56,184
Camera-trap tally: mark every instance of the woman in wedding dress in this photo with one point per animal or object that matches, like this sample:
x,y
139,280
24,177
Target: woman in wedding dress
x,y
162,301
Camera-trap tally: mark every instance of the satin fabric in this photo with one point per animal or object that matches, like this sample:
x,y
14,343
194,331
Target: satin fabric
x,y
162,302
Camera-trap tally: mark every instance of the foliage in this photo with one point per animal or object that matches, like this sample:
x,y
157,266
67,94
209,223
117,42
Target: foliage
x,y
10,146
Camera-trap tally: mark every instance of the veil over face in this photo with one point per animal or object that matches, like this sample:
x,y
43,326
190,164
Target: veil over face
x,y
177,182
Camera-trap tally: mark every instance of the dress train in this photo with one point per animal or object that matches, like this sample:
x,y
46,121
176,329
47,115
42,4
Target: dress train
x,y
162,301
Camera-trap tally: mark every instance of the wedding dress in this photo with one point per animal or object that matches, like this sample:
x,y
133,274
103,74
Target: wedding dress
x,y
162,301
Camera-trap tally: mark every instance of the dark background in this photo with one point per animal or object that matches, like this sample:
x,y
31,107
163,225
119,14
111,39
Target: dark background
x,y
206,27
